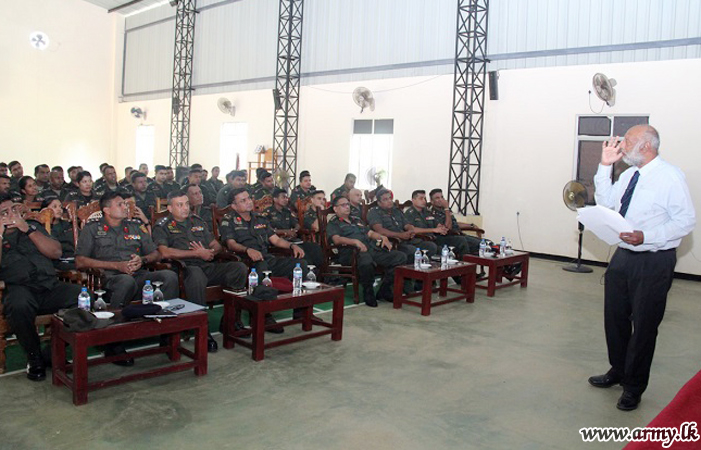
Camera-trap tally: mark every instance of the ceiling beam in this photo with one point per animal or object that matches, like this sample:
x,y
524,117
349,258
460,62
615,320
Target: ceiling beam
x,y
127,4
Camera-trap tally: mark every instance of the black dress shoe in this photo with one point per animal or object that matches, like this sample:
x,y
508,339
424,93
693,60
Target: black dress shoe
x,y
118,349
212,345
238,326
481,276
36,370
369,297
385,293
269,320
604,381
628,401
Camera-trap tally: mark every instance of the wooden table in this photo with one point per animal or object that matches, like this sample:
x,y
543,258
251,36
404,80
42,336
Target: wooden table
x,y
465,271
257,309
120,332
496,270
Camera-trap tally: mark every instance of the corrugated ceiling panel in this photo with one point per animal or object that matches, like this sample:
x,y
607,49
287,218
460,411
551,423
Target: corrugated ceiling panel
x,y
343,40
149,59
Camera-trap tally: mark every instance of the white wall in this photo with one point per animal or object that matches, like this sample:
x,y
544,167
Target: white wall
x,y
56,104
528,153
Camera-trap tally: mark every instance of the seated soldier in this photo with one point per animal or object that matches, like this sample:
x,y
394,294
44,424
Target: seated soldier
x,y
184,236
31,286
311,218
29,190
286,225
120,247
356,208
97,184
144,199
84,193
56,186
389,221
109,181
442,213
41,176
170,184
194,196
342,231
158,187
237,181
419,216
303,190
214,180
266,186
342,191
124,182
5,189
245,231
62,231
17,172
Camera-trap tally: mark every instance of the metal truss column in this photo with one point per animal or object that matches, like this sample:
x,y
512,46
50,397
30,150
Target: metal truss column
x,y
182,82
287,80
468,106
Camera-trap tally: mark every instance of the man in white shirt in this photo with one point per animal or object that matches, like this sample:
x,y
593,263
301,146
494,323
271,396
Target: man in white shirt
x,y
653,197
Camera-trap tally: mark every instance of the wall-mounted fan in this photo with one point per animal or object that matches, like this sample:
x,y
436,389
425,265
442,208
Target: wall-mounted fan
x,y
226,106
603,87
374,176
575,196
281,178
363,98
39,40
138,113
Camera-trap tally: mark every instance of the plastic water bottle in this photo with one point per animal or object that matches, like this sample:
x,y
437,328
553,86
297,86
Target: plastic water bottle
x,y
417,259
502,247
297,278
444,255
147,293
252,281
483,248
84,299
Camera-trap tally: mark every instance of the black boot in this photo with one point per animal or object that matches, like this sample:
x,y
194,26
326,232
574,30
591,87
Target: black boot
x,y
212,345
36,370
369,296
385,292
269,320
118,349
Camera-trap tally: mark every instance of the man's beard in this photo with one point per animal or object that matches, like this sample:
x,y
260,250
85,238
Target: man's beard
x,y
634,158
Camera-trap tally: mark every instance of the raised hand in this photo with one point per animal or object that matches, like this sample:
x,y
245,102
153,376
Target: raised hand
x,y
611,151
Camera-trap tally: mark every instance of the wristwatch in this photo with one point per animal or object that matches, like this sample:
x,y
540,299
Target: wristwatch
x,y
31,229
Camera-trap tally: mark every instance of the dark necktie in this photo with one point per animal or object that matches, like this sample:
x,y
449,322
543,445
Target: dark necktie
x,y
628,194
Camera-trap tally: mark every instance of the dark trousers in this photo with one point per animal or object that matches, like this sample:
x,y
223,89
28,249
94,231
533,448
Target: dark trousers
x,y
367,261
22,304
279,266
122,288
635,297
313,254
197,277
459,242
409,248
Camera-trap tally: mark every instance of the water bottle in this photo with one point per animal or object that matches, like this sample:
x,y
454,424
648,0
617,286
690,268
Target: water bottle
x,y
297,278
252,281
444,255
502,247
84,299
417,259
483,248
147,293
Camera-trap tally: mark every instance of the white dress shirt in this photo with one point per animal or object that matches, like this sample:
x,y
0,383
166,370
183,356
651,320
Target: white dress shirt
x,y
661,205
